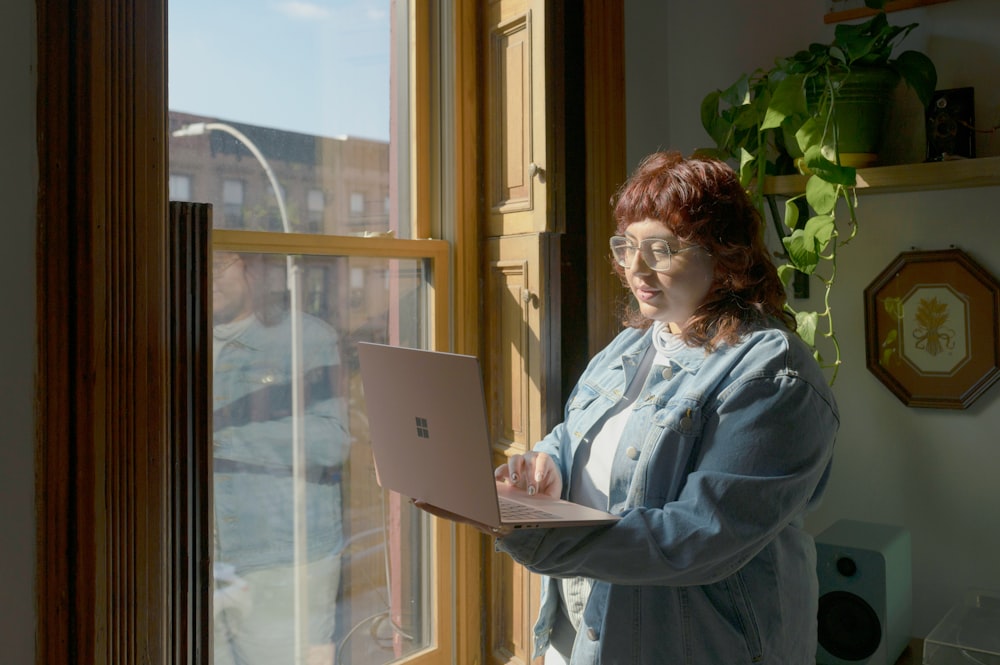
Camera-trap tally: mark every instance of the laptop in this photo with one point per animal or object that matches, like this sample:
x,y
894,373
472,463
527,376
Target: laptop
x,y
429,435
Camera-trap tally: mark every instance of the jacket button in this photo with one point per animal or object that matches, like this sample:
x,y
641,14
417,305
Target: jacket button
x,y
668,372
632,453
592,634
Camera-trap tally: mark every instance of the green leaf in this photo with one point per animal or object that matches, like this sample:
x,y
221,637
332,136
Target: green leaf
x,y
801,251
919,72
748,167
710,117
845,176
809,135
806,325
818,230
864,42
788,99
791,213
738,93
785,273
821,195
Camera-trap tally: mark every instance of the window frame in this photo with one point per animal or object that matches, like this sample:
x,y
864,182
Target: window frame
x,y
118,580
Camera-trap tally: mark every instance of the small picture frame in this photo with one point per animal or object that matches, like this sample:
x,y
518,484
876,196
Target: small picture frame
x,y
933,330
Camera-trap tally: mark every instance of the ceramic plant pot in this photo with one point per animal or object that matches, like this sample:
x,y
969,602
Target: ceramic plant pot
x,y
861,112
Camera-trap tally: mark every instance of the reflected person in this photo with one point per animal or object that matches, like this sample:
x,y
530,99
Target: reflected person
x,y
255,595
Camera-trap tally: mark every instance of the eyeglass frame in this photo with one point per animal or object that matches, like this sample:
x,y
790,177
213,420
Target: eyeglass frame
x,y
643,250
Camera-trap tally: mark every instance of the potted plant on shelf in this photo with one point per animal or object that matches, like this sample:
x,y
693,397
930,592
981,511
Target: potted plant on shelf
x,y
805,115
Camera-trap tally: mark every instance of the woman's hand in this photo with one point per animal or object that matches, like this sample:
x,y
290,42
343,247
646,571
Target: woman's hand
x,y
535,473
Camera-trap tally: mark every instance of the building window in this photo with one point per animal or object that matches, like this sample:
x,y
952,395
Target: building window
x,y
180,187
315,205
232,203
357,204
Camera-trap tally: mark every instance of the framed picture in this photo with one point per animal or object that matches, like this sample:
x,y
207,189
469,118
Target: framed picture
x,y
932,329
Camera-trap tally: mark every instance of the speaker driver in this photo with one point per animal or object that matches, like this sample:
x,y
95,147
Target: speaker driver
x,y
848,626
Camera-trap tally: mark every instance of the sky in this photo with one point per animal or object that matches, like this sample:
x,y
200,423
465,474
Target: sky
x,y
313,66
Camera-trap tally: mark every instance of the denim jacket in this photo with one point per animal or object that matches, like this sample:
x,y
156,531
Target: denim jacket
x,y
252,445
721,458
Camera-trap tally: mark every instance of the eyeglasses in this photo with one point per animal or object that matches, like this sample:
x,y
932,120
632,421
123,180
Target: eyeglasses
x,y
219,267
656,252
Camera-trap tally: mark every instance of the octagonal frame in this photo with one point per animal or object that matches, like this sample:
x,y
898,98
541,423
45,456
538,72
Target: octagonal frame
x,y
910,275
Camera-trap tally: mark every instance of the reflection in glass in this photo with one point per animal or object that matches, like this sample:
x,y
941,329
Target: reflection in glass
x,y
329,186
313,561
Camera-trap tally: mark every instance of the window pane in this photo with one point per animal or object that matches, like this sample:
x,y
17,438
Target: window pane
x,y
180,187
306,564
291,99
281,119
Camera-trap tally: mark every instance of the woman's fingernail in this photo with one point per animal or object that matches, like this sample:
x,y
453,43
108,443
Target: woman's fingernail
x,y
531,489
513,477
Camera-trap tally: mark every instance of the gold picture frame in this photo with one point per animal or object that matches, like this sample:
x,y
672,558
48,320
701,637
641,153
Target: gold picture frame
x,y
933,330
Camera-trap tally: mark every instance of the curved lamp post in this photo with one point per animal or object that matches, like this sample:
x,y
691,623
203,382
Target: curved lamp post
x,y
298,411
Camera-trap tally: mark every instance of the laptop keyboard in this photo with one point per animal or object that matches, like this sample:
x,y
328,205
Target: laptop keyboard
x,y
513,511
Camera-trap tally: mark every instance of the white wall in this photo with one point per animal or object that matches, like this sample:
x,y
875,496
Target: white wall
x,y
18,185
937,472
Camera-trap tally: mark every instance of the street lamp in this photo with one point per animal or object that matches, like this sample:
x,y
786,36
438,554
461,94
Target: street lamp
x,y
200,128
298,411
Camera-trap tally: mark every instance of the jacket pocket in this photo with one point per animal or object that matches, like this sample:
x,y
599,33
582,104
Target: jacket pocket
x,y
672,446
745,615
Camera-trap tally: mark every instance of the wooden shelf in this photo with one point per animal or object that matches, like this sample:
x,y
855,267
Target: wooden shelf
x,y
981,172
864,12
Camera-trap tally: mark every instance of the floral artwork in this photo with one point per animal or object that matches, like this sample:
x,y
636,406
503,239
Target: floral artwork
x,y
933,328
931,333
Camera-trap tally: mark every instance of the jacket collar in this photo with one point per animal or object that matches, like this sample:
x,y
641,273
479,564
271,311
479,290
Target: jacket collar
x,y
688,359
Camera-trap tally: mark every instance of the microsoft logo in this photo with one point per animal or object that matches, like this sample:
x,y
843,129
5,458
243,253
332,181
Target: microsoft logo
x,y
423,431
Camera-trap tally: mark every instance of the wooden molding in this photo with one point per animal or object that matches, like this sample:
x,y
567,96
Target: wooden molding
x,y
105,574
604,35
864,12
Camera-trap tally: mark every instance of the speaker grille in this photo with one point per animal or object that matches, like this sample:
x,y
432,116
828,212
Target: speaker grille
x,y
848,626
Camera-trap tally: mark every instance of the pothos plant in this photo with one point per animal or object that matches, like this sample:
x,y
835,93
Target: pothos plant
x,y
784,120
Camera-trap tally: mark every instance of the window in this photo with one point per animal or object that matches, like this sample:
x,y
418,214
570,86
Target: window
x,y
357,204
312,559
180,187
315,207
232,203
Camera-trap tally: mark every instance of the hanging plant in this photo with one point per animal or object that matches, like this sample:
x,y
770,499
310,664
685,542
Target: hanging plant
x,y
796,118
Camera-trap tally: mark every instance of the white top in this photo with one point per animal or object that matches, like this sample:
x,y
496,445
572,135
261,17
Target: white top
x,y
591,482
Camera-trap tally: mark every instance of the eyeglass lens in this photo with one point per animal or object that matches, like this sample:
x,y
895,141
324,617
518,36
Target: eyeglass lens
x,y
656,253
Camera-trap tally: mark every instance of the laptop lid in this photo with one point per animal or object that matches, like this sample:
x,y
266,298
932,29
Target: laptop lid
x,y
430,438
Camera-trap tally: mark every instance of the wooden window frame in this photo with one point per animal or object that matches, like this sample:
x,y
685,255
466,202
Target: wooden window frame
x,y
123,572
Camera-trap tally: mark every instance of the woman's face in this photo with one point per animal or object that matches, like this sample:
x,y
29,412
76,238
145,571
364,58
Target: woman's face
x,y
673,296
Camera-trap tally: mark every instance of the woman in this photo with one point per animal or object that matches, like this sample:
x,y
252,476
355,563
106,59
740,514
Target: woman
x,y
708,426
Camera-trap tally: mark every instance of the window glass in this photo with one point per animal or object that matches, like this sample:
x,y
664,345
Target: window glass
x,y
280,117
291,98
311,555
180,187
357,203
232,201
